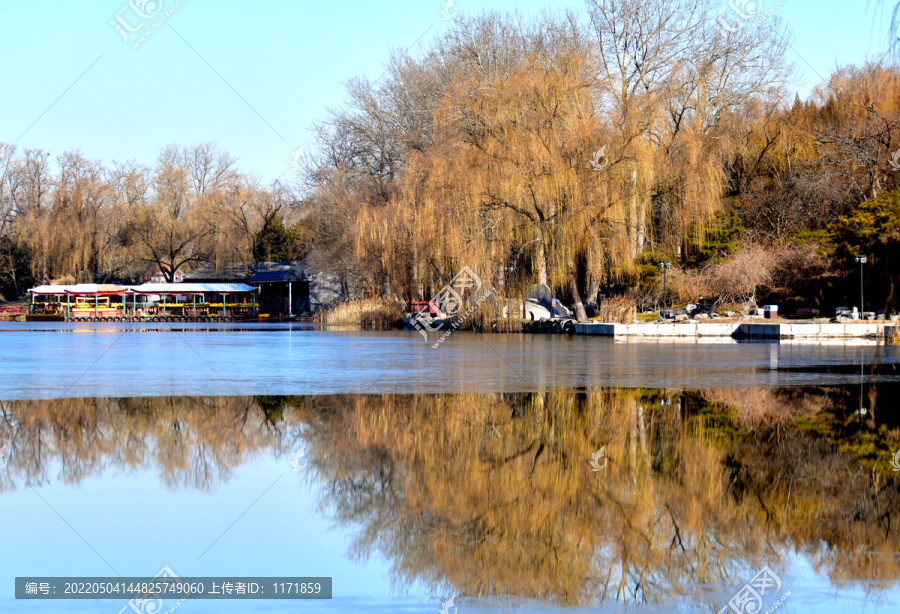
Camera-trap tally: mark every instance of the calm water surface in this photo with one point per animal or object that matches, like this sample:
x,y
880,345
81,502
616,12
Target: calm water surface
x,y
464,471
71,360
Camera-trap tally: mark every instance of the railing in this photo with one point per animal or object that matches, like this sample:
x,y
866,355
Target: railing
x,y
417,306
17,310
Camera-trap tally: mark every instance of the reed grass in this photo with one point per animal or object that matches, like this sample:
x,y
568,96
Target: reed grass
x,y
617,310
371,314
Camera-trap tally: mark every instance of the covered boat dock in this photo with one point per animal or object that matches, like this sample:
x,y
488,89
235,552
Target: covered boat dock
x,y
149,302
284,287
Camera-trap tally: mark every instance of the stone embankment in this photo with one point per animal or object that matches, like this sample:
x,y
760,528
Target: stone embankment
x,y
743,330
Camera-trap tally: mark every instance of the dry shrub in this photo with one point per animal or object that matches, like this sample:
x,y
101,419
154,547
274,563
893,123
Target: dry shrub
x,y
776,267
371,313
618,310
795,265
685,286
735,280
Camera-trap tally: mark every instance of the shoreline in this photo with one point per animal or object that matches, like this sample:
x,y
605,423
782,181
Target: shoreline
x,y
877,330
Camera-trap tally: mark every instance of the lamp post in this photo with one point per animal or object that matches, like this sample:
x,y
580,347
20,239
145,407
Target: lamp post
x,y
862,304
665,267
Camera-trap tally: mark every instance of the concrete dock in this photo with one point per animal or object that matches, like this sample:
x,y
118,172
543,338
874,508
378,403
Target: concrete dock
x,y
741,330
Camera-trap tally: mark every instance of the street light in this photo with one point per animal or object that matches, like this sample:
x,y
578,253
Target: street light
x,y
665,267
862,304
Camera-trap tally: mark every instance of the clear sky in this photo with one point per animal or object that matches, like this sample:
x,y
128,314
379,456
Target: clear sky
x,y
253,76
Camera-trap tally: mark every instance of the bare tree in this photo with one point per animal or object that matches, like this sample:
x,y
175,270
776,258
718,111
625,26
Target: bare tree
x,y
172,231
9,185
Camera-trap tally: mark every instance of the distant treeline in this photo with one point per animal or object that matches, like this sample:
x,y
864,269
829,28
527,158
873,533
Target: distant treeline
x,y
575,152
92,223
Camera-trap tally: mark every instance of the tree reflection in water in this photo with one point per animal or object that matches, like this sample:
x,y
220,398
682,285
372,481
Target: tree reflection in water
x,y
493,495
192,442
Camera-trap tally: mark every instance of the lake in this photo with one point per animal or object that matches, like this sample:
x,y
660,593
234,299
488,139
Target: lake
x,y
47,361
512,473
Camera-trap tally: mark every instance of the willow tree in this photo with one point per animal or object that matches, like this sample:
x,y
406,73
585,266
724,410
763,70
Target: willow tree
x,y
361,153
83,218
510,172
668,78
31,195
546,144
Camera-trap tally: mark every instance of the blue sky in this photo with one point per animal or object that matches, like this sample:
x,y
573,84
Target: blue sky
x,y
254,76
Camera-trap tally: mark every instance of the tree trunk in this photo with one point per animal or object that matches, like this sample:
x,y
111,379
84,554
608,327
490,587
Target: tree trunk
x,y
641,225
637,215
593,290
594,266
889,301
12,274
418,289
580,313
632,219
541,259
